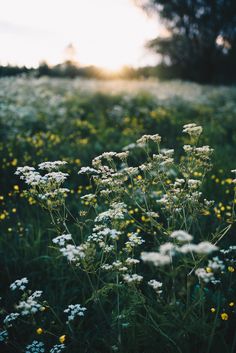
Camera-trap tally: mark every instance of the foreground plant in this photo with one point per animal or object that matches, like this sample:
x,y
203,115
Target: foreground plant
x,y
150,271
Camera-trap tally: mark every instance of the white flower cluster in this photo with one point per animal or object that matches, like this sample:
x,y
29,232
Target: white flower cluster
x,y
134,278
117,211
88,170
168,250
157,259
216,264
49,166
134,240
62,239
145,138
30,305
10,318
19,284
181,236
131,261
192,129
35,347
58,348
74,310
204,275
102,234
203,248
156,285
73,253
46,187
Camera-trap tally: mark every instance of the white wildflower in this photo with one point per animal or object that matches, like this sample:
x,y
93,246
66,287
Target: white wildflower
x,y
156,258
19,284
134,278
156,285
74,310
62,239
181,236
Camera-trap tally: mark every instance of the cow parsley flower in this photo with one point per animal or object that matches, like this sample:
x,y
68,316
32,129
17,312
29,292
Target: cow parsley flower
x,y
35,347
181,236
30,305
134,278
58,348
156,258
62,239
10,318
74,310
204,275
156,285
49,166
192,129
19,284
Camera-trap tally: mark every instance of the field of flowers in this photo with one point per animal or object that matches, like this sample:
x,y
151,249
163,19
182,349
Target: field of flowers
x,y
117,214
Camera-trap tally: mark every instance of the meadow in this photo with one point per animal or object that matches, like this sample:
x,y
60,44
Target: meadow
x,y
117,214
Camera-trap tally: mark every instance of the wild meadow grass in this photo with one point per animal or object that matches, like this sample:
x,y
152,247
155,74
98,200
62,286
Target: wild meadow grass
x,y
118,219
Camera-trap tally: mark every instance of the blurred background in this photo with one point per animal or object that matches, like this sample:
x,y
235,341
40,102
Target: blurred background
x,y
107,39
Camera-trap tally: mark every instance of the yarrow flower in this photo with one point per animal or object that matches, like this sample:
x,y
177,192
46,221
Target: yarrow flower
x,y
156,285
58,348
62,239
74,310
181,236
19,284
35,347
49,166
156,258
192,129
10,318
30,305
134,278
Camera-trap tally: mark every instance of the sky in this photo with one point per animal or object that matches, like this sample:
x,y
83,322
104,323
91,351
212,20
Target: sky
x,y
106,33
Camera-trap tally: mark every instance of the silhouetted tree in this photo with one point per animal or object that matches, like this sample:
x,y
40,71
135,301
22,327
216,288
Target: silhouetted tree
x,y
201,37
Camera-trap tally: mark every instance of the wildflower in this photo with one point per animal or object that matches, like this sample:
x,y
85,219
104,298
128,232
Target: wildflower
x,y
216,264
155,258
231,269
205,247
213,310
35,347
224,316
131,261
181,236
19,284
49,166
9,318
74,310
168,249
156,285
62,239
88,170
72,252
39,331
62,338
134,278
192,129
204,275
231,304
30,305
58,348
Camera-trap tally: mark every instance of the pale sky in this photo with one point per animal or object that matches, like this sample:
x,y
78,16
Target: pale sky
x,y
106,33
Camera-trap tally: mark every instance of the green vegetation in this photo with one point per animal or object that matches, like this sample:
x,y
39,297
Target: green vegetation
x,y
178,291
